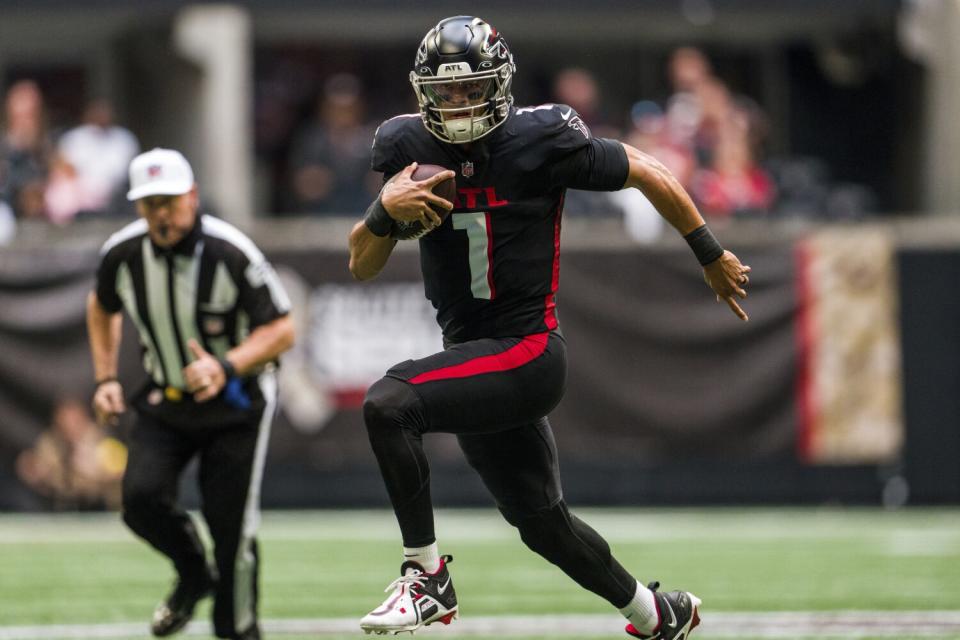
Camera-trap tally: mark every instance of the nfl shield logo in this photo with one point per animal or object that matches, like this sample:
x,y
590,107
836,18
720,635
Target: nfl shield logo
x,y
154,171
466,168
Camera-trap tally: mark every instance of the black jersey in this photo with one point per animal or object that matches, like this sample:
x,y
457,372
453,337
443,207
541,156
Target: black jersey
x,y
492,268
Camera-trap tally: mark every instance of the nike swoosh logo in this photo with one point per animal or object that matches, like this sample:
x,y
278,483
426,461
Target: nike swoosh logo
x,y
673,617
566,116
444,586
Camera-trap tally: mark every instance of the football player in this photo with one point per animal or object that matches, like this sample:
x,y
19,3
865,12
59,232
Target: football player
x,y
491,269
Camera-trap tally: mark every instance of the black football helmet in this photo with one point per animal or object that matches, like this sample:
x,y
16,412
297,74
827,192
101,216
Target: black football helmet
x,y
462,78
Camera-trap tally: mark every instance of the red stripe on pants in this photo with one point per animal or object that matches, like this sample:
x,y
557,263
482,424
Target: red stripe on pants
x,y
529,348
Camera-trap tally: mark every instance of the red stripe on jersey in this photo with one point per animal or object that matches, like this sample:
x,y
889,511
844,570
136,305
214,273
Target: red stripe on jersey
x,y
529,348
550,315
493,289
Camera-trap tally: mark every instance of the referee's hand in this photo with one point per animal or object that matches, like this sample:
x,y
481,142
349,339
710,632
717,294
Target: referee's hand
x,y
204,376
108,403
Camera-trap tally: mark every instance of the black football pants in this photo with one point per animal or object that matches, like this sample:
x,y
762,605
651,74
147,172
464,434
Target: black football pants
x,y
231,461
494,395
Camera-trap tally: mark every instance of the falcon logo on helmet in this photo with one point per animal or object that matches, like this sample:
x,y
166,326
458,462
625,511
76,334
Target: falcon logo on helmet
x,y
462,77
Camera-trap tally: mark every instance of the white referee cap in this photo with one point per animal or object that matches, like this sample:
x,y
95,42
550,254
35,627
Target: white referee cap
x,y
159,172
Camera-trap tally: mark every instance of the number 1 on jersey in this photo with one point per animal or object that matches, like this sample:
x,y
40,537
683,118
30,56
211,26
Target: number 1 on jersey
x,y
479,249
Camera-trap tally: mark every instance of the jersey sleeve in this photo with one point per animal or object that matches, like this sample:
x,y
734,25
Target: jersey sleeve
x,y
600,165
106,282
558,145
261,294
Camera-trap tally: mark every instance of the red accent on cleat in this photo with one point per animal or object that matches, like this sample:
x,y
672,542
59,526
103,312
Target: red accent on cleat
x,y
447,619
403,610
696,619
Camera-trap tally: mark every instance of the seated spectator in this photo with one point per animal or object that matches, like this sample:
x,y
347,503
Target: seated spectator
x,y
91,165
25,150
330,158
74,464
688,69
578,88
653,132
733,184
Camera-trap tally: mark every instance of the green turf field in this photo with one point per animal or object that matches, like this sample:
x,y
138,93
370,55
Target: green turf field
x,y
323,570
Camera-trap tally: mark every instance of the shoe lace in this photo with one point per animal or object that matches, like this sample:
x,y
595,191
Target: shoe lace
x,y
411,579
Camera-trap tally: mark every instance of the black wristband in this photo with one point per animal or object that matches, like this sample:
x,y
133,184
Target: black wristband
x,y
229,371
378,220
704,245
103,381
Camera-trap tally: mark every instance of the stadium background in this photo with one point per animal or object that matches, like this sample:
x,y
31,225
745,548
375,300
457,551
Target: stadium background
x,y
841,391
839,388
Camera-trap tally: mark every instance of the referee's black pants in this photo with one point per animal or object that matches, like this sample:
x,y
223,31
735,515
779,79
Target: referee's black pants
x,y
495,395
231,461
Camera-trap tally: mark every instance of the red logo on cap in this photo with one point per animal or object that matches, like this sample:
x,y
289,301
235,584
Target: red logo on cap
x,y
154,171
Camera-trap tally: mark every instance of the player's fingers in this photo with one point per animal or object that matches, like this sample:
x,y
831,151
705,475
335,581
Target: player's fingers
x,y
439,177
195,348
736,308
432,217
206,393
190,376
115,403
440,202
746,268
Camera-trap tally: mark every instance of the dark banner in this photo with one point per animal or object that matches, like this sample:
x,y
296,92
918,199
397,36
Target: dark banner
x,y
665,384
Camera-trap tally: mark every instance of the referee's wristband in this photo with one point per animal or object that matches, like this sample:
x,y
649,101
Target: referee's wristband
x,y
378,220
229,371
704,245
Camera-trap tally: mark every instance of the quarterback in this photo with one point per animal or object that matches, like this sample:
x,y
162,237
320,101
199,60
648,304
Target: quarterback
x,y
491,270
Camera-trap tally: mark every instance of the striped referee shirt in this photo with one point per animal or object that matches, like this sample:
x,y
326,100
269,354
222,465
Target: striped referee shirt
x,y
214,285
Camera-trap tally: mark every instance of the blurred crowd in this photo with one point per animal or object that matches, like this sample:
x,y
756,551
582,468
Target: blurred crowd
x,y
712,139
60,175
314,134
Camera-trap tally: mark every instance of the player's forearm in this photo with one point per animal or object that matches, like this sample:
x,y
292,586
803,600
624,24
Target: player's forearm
x,y
368,252
264,344
104,331
663,190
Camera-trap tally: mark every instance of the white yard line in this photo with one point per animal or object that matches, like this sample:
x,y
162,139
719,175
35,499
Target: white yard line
x,y
905,533
822,625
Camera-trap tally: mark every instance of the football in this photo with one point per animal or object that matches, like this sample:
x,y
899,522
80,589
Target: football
x,y
446,189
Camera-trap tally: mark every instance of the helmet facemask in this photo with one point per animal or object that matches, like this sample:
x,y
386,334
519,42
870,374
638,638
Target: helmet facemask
x,y
464,107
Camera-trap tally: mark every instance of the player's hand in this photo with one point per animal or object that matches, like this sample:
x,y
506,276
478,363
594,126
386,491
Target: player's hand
x,y
407,200
728,278
204,376
108,403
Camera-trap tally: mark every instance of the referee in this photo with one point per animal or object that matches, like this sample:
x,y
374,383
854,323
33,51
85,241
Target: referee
x,y
212,319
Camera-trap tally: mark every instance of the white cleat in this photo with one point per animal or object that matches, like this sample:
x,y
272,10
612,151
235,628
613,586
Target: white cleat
x,y
416,600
